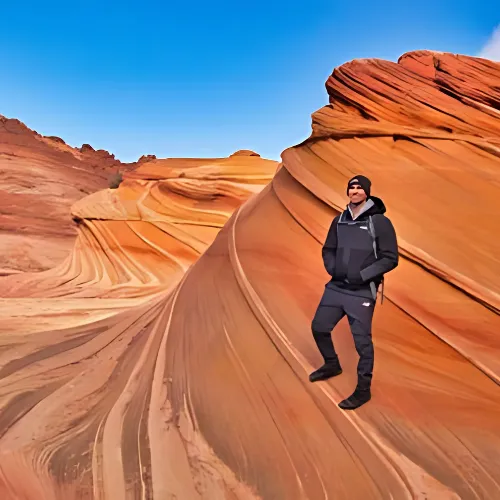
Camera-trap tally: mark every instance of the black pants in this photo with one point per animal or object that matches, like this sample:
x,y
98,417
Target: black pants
x,y
332,308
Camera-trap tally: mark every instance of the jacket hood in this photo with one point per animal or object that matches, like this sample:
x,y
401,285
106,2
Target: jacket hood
x,y
377,208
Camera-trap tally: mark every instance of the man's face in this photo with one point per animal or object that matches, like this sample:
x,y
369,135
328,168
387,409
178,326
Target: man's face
x,y
356,193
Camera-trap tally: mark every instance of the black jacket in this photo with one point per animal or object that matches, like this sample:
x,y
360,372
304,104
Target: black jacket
x,y
349,254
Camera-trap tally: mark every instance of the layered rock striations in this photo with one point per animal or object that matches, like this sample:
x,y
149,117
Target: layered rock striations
x,y
202,391
40,178
135,241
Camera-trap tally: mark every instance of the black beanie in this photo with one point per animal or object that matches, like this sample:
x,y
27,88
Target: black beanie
x,y
363,181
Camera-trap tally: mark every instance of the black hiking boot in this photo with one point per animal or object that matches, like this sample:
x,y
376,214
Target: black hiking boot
x,y
358,398
328,370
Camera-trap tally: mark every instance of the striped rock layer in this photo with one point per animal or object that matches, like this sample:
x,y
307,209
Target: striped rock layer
x,y
40,178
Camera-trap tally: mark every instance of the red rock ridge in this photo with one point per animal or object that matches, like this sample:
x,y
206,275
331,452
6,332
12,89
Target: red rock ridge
x,y
40,178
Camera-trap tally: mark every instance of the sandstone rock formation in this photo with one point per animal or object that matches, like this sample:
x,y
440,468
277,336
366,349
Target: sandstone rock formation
x,y
202,391
40,178
135,241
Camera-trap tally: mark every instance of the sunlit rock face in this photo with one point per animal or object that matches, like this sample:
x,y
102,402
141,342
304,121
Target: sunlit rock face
x,y
202,391
40,178
135,241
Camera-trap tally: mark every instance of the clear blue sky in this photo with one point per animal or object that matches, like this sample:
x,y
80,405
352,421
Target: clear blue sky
x,y
206,78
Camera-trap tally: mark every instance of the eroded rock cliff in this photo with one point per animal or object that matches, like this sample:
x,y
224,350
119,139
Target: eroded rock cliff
x,y
40,178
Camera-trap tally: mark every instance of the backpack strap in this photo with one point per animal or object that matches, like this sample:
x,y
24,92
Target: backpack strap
x,y
373,235
374,243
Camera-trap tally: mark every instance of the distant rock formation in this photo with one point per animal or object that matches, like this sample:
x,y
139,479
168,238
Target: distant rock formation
x,y
245,152
163,216
145,158
40,178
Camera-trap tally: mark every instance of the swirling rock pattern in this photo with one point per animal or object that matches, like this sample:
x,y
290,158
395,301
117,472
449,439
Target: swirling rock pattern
x,y
40,178
135,241
202,391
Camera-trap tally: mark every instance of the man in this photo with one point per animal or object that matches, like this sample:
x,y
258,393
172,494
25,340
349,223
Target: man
x,y
360,247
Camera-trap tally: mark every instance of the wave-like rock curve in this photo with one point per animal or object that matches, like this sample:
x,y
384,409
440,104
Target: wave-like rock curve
x,y
40,178
135,241
202,391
